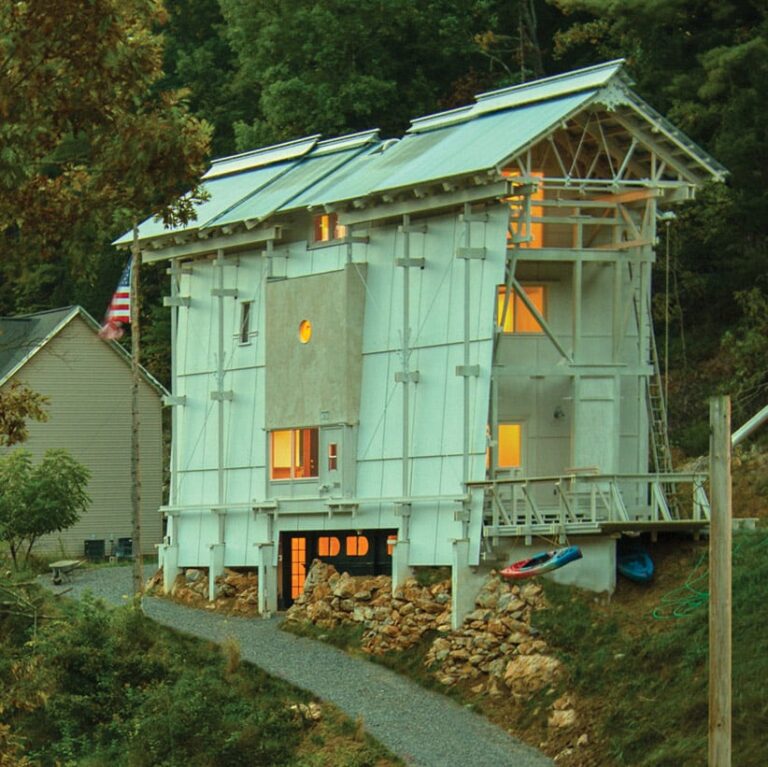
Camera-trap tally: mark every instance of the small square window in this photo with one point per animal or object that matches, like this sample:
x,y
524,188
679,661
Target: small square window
x,y
326,228
245,321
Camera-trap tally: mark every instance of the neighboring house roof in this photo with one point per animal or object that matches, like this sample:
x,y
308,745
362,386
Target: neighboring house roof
x,y
23,336
475,140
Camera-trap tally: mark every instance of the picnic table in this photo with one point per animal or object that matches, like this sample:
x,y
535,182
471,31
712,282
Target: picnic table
x,y
63,569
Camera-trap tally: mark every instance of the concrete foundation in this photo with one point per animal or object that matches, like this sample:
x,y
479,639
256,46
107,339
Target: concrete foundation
x,y
466,583
168,559
215,568
267,581
401,570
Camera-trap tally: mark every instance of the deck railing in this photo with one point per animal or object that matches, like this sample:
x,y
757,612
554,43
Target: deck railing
x,y
587,502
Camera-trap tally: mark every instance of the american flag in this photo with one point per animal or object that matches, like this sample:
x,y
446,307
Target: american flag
x,y
119,309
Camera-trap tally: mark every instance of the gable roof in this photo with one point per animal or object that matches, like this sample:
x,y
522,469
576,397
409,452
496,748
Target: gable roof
x,y
472,141
23,336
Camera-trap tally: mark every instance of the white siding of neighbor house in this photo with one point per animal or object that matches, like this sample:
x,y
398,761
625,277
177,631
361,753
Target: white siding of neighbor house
x,y
89,388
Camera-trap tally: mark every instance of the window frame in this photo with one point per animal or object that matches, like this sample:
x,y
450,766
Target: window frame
x,y
244,332
336,232
515,305
301,440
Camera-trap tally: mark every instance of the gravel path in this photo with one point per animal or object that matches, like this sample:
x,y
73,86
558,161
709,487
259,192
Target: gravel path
x,y
424,728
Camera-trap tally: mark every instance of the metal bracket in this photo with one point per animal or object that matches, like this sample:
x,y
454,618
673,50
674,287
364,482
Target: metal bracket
x,y
219,396
412,228
403,377
468,371
402,509
176,301
224,292
170,400
471,253
175,271
479,218
420,262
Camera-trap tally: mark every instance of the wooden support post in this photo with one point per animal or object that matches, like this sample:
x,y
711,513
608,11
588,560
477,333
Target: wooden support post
x,y
720,534
138,560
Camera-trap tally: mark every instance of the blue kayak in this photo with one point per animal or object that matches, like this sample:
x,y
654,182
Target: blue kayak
x,y
541,563
635,564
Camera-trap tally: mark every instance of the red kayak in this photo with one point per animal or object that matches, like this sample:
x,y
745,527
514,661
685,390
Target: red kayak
x,y
541,563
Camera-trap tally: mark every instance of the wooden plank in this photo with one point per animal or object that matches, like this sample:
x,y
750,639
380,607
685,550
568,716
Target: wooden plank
x,y
720,539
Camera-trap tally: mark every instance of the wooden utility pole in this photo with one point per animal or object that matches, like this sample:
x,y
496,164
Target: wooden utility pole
x,y
138,561
720,538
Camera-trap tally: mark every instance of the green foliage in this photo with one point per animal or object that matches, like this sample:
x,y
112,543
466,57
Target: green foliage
x,y
652,677
41,499
19,404
345,636
344,65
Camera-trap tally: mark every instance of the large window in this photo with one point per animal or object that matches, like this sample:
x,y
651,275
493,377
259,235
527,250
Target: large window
x,y
326,228
293,454
519,319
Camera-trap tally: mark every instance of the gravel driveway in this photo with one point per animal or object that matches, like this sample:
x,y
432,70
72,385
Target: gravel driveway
x,y
422,727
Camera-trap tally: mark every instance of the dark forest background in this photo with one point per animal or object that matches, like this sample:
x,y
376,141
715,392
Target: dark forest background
x,y
109,113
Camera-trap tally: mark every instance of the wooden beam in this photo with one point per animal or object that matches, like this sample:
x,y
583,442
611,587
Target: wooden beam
x,y
720,539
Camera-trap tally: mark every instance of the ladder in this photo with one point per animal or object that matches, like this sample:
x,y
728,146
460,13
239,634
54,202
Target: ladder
x,y
658,426
657,415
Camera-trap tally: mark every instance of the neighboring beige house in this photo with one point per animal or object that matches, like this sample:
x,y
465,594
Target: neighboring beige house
x,y
88,383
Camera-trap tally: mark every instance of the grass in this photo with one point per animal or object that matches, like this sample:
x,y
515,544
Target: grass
x,y
648,678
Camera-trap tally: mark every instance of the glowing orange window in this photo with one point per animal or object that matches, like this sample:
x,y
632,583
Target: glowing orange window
x,y
328,546
356,546
293,454
519,319
298,565
327,228
536,230
510,446
391,541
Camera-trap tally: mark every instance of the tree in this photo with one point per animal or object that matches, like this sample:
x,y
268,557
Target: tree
x,y
345,65
38,500
88,143
18,404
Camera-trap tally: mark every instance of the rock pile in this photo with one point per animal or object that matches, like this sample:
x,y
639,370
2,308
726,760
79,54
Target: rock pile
x,y
496,646
391,622
237,591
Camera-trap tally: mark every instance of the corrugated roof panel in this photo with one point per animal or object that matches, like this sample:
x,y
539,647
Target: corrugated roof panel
x,y
282,191
554,87
350,141
259,157
474,146
354,179
225,192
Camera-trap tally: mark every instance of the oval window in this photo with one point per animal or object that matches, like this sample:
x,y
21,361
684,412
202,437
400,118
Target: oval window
x,y
305,331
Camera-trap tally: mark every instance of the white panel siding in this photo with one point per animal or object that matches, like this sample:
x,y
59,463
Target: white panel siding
x,y
436,416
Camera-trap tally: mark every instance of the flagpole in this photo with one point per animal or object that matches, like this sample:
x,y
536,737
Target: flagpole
x,y
138,561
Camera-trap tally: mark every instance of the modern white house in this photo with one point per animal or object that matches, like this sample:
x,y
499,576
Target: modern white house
x,y
433,350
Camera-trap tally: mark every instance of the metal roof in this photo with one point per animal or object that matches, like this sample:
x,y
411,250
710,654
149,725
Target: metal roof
x,y
470,141
281,194
587,79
